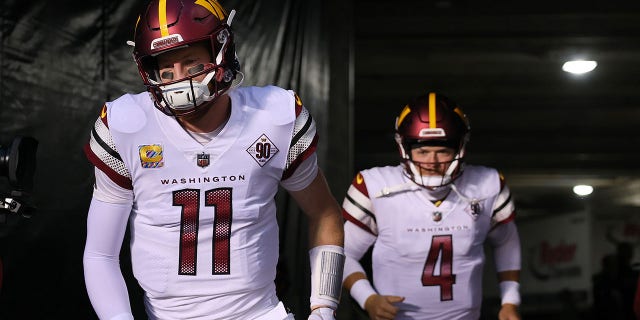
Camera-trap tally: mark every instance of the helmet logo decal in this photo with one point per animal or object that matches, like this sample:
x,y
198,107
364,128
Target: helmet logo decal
x,y
262,150
432,132
165,41
151,156
214,7
432,111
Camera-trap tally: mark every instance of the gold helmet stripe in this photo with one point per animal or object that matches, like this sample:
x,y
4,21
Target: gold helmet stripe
x,y
402,115
462,116
162,18
214,7
137,23
432,110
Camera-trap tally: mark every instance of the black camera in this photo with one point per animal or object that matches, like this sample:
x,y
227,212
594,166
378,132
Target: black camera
x,y
17,165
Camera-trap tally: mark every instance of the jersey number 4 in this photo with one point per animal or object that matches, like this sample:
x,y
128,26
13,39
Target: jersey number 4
x,y
441,246
189,200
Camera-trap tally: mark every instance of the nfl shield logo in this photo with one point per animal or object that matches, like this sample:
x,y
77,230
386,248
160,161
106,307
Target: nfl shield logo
x,y
203,160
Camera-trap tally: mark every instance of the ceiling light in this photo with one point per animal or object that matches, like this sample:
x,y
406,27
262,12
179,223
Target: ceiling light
x,y
582,190
579,66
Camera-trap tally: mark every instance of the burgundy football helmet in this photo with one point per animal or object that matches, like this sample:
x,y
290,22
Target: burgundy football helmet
x,y
432,120
171,24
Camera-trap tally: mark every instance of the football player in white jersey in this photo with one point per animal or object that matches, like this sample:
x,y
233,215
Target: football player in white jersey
x,y
427,220
193,166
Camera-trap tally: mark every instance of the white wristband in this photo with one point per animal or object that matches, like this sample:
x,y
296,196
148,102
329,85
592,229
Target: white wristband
x,y
327,264
361,291
510,292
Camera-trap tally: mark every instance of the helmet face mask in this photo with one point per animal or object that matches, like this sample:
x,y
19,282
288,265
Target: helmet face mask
x,y
432,120
194,72
184,94
173,25
449,170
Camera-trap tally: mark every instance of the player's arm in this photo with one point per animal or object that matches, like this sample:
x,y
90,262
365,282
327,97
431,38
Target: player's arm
x,y
106,226
377,306
507,255
360,231
326,239
505,241
307,185
325,221
105,284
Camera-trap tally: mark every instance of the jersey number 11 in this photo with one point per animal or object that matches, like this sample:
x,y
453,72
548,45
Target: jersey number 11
x,y
189,200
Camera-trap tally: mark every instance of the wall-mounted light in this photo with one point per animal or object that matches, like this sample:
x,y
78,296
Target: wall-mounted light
x,y
583,190
579,66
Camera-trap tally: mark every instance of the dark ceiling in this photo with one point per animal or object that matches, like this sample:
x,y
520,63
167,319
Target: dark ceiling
x,y
501,61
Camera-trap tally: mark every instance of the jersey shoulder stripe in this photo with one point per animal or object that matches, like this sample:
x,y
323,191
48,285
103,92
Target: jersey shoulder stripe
x,y
504,208
101,151
357,206
304,139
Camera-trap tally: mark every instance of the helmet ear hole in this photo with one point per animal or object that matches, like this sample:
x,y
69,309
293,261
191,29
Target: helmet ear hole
x,y
228,75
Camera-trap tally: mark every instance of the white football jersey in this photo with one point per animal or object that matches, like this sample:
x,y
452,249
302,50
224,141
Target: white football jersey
x,y
430,253
204,230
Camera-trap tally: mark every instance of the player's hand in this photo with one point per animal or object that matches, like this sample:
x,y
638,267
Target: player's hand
x,y
381,307
322,314
509,312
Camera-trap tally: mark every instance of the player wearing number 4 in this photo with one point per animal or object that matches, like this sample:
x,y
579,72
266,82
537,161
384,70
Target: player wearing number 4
x,y
193,166
427,220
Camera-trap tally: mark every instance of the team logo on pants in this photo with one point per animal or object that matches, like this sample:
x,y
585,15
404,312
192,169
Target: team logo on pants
x,y
262,150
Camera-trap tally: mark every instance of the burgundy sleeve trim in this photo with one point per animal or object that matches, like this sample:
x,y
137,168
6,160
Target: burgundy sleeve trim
x,y
112,174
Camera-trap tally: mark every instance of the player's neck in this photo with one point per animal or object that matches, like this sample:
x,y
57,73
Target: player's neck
x,y
438,195
210,118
